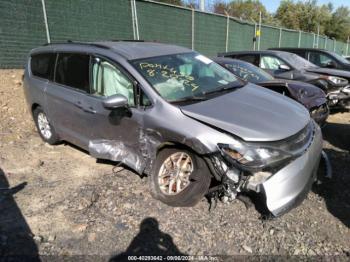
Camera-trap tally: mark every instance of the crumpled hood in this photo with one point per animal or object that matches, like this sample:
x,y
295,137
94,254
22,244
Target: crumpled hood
x,y
307,94
251,113
294,86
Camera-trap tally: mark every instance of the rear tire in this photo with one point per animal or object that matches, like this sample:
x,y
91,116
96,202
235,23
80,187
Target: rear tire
x,y
44,127
179,178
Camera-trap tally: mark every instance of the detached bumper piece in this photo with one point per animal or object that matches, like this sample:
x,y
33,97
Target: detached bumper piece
x,y
339,99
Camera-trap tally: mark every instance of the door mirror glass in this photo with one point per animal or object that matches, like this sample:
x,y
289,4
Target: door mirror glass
x,y
284,67
331,64
115,101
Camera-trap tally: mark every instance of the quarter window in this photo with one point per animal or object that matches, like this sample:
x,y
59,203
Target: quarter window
x,y
73,70
108,80
42,65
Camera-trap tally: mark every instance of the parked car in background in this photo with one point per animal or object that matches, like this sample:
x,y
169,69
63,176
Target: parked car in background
x,y
319,57
284,65
312,97
175,115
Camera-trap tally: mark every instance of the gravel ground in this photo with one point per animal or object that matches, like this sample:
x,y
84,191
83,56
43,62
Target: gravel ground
x,y
64,202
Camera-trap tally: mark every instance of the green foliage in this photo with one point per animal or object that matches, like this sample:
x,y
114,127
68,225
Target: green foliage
x,y
339,25
244,9
305,15
311,17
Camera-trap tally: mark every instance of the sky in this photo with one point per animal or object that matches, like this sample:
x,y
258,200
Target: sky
x,y
272,5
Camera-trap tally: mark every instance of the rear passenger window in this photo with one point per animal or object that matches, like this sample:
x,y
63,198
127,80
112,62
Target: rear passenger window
x,y
73,70
42,65
253,59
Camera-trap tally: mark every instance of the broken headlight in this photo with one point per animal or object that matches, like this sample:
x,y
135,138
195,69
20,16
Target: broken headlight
x,y
335,80
253,156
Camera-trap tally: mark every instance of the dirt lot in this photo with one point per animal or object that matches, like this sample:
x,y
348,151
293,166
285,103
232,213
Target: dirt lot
x,y
64,202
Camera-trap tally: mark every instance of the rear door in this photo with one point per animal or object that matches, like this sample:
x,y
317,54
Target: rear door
x,y
65,97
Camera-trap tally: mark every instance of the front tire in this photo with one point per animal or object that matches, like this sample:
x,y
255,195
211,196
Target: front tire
x,y
179,177
45,129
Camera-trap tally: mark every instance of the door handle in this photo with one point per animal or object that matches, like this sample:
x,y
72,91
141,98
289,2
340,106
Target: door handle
x,y
89,110
78,104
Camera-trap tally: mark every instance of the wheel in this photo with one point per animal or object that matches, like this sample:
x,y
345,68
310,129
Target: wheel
x,y
45,129
179,177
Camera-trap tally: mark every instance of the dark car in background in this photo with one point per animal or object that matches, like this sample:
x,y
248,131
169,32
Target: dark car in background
x,y
284,65
312,97
319,57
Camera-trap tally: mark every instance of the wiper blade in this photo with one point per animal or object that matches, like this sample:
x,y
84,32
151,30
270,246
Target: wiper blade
x,y
225,88
189,98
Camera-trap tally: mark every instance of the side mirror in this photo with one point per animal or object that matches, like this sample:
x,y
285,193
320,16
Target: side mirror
x,y
115,101
331,64
284,67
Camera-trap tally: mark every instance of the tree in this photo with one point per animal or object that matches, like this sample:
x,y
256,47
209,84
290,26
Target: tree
x,y
339,24
288,15
244,9
306,16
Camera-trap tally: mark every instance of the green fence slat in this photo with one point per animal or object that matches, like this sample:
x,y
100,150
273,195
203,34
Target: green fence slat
x,y
166,24
210,33
240,36
269,37
289,38
306,40
89,20
21,29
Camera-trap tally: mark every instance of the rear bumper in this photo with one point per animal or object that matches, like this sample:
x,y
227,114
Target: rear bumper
x,y
289,186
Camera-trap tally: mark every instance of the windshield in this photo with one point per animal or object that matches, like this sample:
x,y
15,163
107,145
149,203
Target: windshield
x,y
248,72
340,58
296,61
185,76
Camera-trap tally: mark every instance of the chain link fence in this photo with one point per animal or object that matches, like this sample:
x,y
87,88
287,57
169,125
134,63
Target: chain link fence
x,y
25,24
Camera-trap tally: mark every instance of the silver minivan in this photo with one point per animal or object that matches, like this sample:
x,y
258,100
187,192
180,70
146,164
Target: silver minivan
x,y
176,116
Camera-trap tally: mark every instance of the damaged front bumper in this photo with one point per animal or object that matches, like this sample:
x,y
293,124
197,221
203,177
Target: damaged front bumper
x,y
320,114
289,186
340,98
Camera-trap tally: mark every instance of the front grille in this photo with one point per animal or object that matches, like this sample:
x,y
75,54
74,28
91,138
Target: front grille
x,y
299,142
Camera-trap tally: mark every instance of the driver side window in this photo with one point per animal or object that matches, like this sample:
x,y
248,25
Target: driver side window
x,y
108,80
319,59
270,62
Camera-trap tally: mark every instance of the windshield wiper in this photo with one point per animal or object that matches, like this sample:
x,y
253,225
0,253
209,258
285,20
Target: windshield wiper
x,y
225,88
189,98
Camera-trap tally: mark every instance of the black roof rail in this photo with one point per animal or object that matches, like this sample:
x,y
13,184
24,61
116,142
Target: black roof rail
x,y
78,43
127,40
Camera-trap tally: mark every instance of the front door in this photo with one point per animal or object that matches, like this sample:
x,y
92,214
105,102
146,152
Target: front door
x,y
274,66
112,133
